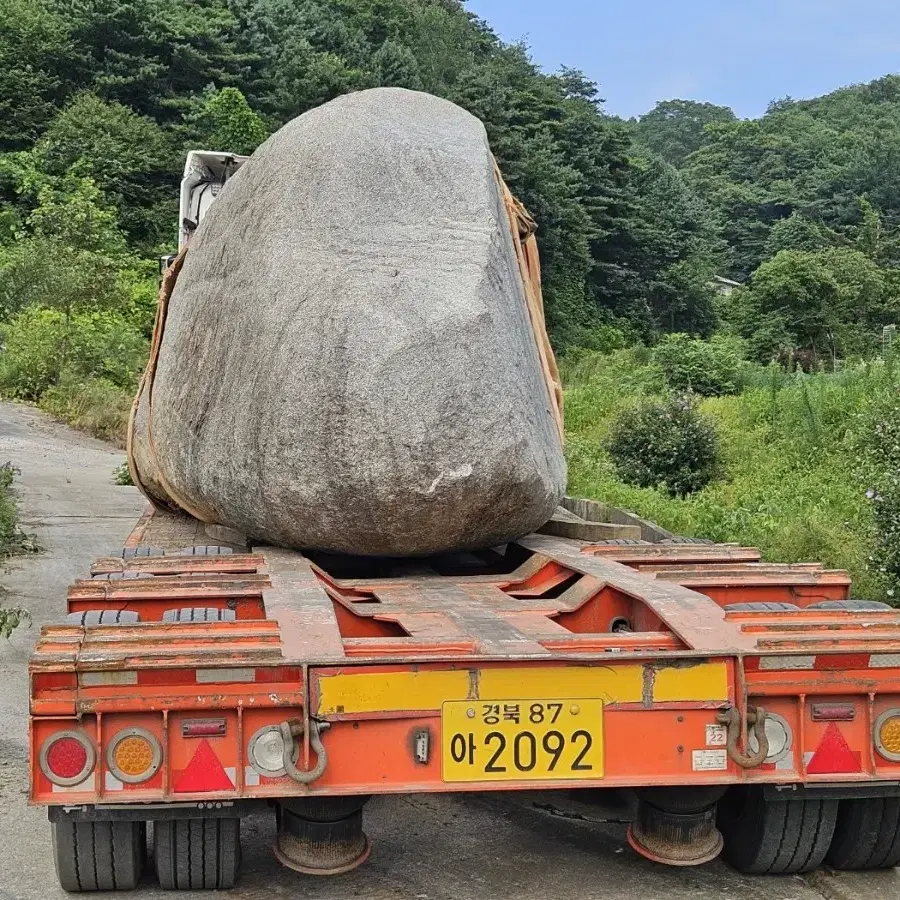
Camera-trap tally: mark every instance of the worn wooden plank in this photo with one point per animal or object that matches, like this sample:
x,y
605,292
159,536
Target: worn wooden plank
x,y
595,511
590,531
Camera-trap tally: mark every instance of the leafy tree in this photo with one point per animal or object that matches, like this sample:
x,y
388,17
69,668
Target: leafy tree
x,y
800,290
396,65
226,122
127,156
676,249
71,211
43,346
35,56
152,55
796,232
857,310
708,368
830,302
69,254
674,129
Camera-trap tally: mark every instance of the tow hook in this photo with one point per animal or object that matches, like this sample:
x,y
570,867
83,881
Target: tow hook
x,y
294,729
756,717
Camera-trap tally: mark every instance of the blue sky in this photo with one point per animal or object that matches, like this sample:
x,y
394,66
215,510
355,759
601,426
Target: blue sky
x,y
738,53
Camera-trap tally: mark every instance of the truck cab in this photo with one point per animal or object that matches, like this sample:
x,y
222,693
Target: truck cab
x,y
205,174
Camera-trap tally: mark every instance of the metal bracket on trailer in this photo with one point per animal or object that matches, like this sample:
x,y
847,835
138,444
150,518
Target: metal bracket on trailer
x,y
834,791
129,812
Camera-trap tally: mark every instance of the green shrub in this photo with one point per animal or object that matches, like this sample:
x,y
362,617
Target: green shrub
x,y
95,406
666,444
709,368
44,346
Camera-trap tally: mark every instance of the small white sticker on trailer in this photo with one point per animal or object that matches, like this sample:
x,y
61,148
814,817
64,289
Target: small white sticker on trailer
x,y
709,760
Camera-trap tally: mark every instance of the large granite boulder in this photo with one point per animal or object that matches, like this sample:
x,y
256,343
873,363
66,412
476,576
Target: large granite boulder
x,y
347,361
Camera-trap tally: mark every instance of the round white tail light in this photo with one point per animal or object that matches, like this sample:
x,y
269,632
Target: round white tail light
x,y
779,734
266,752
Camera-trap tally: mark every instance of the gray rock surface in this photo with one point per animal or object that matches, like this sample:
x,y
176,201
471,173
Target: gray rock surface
x,y
348,362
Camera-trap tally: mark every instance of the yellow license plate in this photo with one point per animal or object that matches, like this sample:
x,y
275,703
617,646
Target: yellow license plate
x,y
521,740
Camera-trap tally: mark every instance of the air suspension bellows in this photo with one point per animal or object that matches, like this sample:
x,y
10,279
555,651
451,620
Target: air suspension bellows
x,y
321,835
677,826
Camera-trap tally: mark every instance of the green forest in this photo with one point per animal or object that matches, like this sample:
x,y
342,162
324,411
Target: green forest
x,y
784,382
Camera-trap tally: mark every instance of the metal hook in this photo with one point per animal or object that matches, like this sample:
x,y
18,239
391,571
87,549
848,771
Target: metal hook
x,y
755,717
290,730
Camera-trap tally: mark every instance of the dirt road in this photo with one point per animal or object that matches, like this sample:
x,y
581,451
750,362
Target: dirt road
x,y
489,847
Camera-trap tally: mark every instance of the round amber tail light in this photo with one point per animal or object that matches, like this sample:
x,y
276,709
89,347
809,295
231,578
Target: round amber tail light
x,y
134,755
887,734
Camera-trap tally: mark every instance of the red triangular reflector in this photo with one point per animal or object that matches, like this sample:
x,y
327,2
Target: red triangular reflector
x,y
833,755
203,773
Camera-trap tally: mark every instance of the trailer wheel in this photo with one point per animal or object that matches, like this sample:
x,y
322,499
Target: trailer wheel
x,y
762,606
704,542
205,550
134,552
198,614
620,542
99,856
122,576
197,854
775,837
103,617
853,605
867,834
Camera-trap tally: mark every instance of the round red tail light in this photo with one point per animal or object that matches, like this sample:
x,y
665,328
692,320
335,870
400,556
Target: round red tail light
x,y
67,758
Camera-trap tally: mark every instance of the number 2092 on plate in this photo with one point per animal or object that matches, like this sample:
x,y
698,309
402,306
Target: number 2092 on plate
x,y
521,740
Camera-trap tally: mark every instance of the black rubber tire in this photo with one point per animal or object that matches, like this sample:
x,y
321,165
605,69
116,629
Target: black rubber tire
x,y
198,614
99,856
867,835
103,617
762,606
197,854
132,552
774,837
706,542
856,605
620,542
211,550
122,576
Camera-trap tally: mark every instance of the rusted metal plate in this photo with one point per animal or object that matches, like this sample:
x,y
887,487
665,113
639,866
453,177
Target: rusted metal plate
x,y
305,615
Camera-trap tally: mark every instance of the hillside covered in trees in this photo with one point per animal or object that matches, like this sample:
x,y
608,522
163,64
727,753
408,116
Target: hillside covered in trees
x,y
100,98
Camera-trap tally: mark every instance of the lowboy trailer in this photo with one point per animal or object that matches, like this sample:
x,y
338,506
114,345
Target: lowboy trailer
x,y
754,707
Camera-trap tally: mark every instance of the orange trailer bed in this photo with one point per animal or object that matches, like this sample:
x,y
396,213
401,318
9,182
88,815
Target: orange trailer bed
x,y
547,663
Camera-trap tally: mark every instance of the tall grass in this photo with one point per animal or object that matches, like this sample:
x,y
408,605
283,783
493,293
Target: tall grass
x,y
791,484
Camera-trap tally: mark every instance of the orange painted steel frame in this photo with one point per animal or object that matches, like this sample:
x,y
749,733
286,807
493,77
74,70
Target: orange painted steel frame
x,y
376,658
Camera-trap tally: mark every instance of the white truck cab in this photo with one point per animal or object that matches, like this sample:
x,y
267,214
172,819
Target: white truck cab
x,y
205,174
